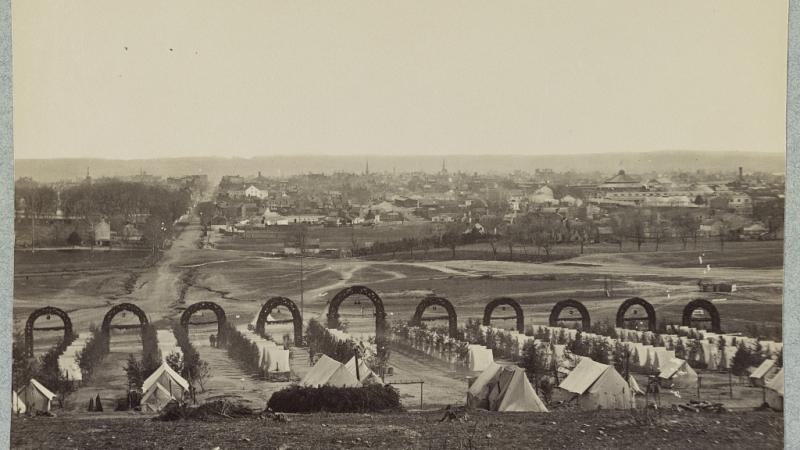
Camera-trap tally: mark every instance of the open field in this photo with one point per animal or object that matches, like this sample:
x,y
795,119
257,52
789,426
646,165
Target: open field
x,y
42,261
483,430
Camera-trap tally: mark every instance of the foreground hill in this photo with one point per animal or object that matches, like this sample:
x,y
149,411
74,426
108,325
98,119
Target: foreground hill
x,y
560,429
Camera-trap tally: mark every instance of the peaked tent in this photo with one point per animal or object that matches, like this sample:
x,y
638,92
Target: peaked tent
x,y
17,406
36,397
677,373
328,371
365,374
775,391
320,372
765,372
161,387
343,378
598,386
504,388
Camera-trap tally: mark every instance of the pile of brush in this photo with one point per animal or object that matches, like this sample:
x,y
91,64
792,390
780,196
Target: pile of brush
x,y
213,410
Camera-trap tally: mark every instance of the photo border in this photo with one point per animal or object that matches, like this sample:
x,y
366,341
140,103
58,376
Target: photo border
x,y
791,289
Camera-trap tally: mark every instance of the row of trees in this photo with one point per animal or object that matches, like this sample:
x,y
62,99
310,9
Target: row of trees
x,y
240,348
189,364
137,370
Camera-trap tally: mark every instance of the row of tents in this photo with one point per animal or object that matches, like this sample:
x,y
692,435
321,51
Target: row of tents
x,y
594,386
271,357
329,372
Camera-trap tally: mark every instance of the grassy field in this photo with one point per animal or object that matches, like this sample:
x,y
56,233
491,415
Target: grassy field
x,y
27,262
482,430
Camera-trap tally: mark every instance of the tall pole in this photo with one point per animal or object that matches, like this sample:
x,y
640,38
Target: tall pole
x,y
301,281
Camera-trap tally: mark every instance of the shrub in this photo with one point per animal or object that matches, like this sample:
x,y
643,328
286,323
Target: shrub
x,y
371,398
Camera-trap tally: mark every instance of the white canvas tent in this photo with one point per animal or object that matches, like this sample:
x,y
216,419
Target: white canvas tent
x,y
504,388
634,385
710,355
328,371
775,392
764,373
598,386
677,374
17,405
36,397
365,374
161,387
479,357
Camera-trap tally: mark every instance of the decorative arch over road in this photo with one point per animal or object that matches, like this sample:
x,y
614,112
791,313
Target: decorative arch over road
x,y
200,306
46,311
297,318
427,302
380,313
555,319
490,307
708,307
636,301
106,327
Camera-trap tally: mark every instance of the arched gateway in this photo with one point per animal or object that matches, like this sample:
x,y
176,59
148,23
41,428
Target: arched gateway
x,y
380,313
583,314
46,311
200,306
297,319
504,301
709,308
433,302
106,327
650,313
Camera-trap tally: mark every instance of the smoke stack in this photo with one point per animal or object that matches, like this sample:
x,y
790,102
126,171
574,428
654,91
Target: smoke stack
x,y
740,172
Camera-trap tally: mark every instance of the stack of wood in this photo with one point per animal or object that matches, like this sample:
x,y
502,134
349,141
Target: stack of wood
x,y
703,406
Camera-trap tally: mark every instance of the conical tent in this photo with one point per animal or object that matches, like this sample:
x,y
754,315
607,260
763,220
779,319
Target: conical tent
x,y
478,393
519,395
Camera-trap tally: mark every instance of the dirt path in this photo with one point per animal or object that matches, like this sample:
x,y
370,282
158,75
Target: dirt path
x,y
227,378
109,379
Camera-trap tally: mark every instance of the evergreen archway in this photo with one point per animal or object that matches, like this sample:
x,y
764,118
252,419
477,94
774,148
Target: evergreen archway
x,y
650,313
46,311
709,308
428,302
380,313
504,301
200,306
556,319
297,319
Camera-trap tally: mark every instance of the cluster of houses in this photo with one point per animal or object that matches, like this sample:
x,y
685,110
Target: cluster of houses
x,y
721,205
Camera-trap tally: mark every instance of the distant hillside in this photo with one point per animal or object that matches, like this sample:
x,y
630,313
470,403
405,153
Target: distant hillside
x,y
662,161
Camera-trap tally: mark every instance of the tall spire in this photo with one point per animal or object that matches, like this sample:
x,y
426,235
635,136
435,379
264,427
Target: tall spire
x,y
366,172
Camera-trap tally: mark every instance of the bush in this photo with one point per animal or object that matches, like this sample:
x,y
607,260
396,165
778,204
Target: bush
x,y
371,398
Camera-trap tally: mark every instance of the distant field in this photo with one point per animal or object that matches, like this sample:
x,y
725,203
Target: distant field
x,y
274,238
75,260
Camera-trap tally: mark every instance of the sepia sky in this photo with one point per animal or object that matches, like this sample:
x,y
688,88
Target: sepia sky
x,y
249,78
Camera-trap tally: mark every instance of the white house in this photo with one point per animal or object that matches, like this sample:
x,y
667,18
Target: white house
x,y
253,191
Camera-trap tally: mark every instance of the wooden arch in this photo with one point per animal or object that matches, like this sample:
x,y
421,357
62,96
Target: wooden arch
x,y
490,307
106,327
570,303
380,313
427,302
297,318
707,306
46,311
200,306
636,301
